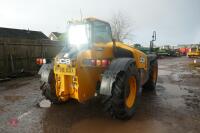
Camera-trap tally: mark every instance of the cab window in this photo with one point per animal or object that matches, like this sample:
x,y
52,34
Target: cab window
x,y
102,32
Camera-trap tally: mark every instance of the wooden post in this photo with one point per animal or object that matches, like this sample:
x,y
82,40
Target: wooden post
x,y
5,59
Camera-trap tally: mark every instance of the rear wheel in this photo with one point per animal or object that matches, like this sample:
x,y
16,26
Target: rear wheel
x,y
153,75
132,92
125,94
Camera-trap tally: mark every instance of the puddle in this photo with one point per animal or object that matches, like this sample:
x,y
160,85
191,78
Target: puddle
x,y
162,67
185,73
17,85
164,72
193,100
175,78
13,98
99,125
172,94
190,76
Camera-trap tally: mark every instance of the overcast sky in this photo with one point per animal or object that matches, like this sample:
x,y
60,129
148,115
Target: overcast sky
x,y
176,21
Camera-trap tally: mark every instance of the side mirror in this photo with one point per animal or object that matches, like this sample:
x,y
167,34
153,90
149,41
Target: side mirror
x,y
154,36
152,42
114,40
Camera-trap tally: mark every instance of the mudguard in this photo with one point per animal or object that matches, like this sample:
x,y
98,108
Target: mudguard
x,y
109,76
151,57
46,71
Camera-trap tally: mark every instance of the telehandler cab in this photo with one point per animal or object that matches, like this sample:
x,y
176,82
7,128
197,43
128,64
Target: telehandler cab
x,y
94,63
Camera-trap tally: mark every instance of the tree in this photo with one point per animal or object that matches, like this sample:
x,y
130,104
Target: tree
x,y
121,27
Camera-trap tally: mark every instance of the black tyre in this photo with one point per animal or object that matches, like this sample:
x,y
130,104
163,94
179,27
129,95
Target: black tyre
x,y
153,76
125,93
49,91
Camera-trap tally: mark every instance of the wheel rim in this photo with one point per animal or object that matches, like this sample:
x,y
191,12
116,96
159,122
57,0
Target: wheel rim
x,y
130,100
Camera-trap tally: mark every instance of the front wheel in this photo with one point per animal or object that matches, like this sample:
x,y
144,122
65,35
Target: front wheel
x,y
125,94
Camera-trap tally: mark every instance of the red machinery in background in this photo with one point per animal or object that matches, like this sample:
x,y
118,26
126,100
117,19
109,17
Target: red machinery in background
x,y
184,50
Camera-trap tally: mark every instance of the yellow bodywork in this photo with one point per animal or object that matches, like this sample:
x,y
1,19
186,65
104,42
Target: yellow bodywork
x,y
195,53
79,81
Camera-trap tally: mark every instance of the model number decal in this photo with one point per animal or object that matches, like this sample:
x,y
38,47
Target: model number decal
x,y
142,59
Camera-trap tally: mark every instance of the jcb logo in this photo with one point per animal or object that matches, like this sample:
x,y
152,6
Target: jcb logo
x,y
65,61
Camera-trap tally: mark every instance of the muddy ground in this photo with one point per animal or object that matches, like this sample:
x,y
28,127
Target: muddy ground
x,y
174,107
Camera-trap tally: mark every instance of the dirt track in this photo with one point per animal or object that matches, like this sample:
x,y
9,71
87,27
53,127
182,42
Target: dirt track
x,y
174,107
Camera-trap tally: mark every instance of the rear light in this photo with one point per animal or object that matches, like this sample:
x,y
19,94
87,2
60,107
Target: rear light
x,y
40,61
104,63
44,61
37,61
97,62
93,62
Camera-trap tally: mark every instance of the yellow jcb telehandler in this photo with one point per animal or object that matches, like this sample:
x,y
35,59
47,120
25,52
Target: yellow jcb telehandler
x,y
94,63
194,52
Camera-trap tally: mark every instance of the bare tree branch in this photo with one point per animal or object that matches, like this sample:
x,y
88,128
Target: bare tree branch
x,y
121,27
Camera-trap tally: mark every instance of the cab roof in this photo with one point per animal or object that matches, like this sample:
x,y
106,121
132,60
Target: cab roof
x,y
87,20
